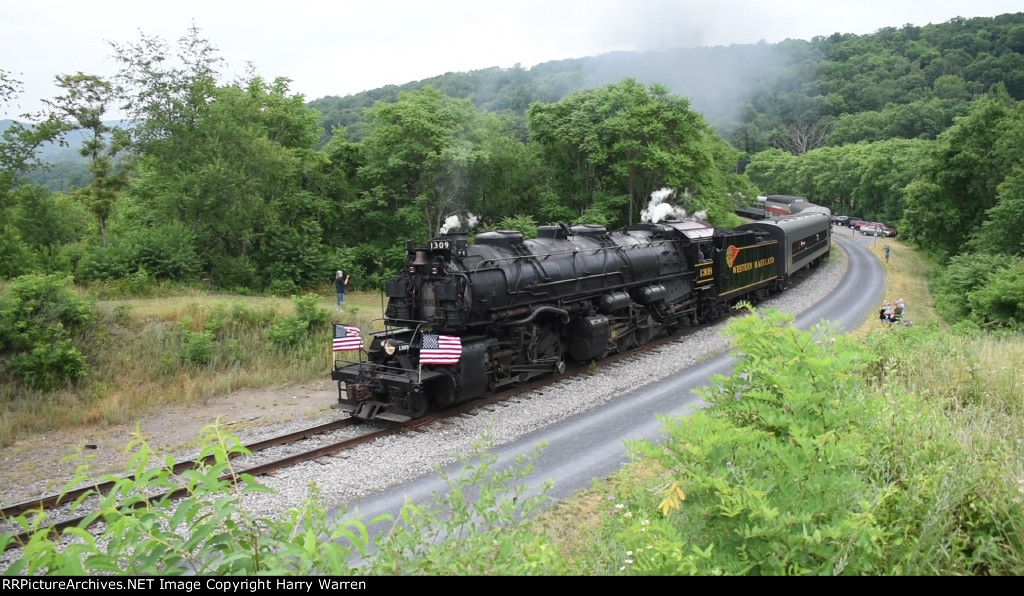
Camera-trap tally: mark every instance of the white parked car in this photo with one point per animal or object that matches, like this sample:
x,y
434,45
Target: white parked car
x,y
874,229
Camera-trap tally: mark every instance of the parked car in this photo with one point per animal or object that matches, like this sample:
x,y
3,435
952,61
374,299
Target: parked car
x,y
874,228
892,232
840,220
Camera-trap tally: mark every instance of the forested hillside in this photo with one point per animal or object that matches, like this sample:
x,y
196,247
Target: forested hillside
x,y
716,80
252,188
906,82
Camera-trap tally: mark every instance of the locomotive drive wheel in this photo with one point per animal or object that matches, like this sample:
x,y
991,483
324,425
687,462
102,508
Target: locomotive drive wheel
x,y
549,349
420,406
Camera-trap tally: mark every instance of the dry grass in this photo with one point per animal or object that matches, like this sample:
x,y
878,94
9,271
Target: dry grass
x,y
135,367
175,307
906,276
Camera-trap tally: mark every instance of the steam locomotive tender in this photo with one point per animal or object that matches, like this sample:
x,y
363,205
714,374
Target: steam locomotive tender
x,y
524,308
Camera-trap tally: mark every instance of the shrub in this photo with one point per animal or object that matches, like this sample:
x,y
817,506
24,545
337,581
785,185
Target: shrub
x,y
16,256
470,529
105,263
809,462
984,288
246,315
287,256
39,318
198,348
47,365
235,273
768,473
288,332
295,330
282,287
166,252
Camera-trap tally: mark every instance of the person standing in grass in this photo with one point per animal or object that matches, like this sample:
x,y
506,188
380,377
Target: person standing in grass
x,y
340,285
886,253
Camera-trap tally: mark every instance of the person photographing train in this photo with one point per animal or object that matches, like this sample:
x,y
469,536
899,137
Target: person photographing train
x,y
340,285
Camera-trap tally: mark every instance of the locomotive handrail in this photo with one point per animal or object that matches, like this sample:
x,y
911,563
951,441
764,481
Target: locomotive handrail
x,y
617,247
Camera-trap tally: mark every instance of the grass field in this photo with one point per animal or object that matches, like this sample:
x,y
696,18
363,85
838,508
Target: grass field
x,y
906,276
170,307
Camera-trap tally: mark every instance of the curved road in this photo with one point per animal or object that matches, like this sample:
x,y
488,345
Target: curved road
x,y
590,445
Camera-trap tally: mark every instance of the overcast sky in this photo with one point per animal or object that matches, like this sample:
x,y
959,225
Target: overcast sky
x,y
343,47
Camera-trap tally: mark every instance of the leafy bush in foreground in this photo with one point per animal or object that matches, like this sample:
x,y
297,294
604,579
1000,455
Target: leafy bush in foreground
x,y
471,529
800,466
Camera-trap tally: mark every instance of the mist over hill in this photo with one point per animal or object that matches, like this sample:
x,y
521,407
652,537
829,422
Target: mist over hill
x,y
716,80
54,152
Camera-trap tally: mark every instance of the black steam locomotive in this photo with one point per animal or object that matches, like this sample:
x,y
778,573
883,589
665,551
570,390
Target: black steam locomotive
x,y
465,319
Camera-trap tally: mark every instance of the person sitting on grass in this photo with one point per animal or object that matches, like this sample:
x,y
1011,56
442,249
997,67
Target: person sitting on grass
x,y
898,311
884,312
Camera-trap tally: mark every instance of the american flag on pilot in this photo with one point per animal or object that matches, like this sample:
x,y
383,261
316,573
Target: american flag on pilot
x,y
347,337
440,349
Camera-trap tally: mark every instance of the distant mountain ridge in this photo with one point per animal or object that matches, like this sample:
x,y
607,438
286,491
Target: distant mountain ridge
x,y
54,152
715,79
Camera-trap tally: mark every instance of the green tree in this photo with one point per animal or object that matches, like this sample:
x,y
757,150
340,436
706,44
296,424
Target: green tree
x,y
233,165
45,218
19,155
420,157
625,140
85,100
961,178
1001,233
10,89
511,180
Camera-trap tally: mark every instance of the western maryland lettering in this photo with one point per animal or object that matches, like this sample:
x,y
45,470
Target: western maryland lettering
x,y
740,268
732,253
748,267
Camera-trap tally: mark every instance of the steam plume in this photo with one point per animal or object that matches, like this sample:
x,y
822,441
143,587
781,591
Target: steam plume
x,y
658,209
461,222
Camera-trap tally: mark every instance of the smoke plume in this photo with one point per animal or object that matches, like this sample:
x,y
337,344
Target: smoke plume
x,y
463,223
659,209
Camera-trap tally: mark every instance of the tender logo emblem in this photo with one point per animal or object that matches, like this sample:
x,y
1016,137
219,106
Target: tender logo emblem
x,y
731,254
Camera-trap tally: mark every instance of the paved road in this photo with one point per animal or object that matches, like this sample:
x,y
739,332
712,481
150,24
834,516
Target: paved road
x,y
590,446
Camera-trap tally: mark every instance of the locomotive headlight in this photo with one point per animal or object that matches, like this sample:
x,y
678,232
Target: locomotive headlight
x,y
390,347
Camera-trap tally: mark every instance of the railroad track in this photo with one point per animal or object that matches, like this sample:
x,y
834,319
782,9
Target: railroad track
x,y
50,502
419,425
